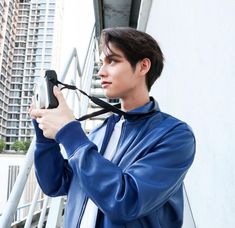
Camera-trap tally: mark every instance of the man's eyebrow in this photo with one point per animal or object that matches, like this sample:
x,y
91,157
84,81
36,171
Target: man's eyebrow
x,y
109,56
112,55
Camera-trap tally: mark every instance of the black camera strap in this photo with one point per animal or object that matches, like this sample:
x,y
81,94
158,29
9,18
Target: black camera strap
x,y
106,106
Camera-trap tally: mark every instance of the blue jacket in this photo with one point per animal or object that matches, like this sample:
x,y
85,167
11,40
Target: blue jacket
x,y
140,188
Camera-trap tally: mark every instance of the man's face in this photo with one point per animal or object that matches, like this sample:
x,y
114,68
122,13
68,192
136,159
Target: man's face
x,y
118,78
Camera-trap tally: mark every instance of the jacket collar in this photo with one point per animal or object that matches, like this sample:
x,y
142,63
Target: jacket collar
x,y
140,112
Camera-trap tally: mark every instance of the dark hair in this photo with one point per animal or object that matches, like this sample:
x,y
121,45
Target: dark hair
x,y
135,45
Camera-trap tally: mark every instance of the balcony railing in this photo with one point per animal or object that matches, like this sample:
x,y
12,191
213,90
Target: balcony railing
x,y
81,77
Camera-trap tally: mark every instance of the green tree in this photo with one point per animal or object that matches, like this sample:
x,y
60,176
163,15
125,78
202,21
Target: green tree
x,y
26,145
18,146
2,145
21,146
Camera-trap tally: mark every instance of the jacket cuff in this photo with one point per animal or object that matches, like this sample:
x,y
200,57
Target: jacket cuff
x,y
71,136
40,138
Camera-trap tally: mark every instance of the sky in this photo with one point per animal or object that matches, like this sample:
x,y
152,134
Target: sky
x,y
78,24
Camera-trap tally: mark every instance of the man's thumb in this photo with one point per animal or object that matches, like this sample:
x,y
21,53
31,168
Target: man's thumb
x,y
58,94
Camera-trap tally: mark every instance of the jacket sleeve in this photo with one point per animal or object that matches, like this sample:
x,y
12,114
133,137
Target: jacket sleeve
x,y
52,170
144,186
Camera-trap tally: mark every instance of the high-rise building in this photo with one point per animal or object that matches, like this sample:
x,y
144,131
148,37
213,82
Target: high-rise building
x,y
8,21
30,38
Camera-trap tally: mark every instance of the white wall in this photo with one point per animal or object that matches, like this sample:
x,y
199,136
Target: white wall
x,y
77,27
6,161
197,85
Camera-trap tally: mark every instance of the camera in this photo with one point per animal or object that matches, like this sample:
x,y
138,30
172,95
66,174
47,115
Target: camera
x,y
43,93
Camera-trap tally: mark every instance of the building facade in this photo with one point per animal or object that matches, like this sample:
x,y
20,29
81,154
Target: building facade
x,y
30,36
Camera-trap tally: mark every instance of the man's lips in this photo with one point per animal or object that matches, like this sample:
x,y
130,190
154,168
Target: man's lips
x,y
105,84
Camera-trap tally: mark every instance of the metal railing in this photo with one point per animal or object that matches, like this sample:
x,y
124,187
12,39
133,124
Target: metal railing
x,y
28,206
81,77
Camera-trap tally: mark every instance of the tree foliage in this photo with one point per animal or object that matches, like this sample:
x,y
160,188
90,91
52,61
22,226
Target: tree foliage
x,y
2,145
21,146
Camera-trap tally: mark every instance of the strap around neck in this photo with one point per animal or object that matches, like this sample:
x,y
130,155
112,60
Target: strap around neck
x,y
106,106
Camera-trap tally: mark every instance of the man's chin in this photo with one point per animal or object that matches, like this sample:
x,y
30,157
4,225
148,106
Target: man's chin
x,y
110,96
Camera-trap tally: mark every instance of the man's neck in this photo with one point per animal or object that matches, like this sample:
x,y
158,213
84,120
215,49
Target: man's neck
x,y
134,102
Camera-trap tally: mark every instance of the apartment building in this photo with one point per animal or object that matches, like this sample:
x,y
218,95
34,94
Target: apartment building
x,y
30,36
8,19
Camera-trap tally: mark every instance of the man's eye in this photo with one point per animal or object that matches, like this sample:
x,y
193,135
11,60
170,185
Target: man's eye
x,y
112,61
99,64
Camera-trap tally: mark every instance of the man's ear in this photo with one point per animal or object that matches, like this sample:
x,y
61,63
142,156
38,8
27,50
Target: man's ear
x,y
145,65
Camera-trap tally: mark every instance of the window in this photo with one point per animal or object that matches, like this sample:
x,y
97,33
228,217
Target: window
x,y
39,44
51,11
47,65
50,24
48,51
47,57
49,37
50,30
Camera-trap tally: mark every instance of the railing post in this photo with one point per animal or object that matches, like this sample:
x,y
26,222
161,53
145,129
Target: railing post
x,y
32,208
189,221
43,212
54,218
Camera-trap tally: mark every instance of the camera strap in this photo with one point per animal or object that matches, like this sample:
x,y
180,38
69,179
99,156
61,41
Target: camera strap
x,y
106,106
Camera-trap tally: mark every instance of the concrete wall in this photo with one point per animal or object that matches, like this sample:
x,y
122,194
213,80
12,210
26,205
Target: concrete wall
x,y
198,86
7,160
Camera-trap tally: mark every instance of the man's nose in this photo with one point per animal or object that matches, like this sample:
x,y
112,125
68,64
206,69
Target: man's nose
x,y
102,71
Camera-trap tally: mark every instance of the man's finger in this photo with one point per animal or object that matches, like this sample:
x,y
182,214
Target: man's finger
x,y
41,126
58,94
39,119
38,112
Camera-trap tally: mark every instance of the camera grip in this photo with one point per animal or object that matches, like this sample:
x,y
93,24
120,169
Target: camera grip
x,y
51,81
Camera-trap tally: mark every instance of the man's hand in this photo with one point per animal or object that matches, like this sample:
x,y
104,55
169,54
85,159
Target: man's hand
x,y
52,120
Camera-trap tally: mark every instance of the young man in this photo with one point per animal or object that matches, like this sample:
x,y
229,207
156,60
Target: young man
x,y
129,171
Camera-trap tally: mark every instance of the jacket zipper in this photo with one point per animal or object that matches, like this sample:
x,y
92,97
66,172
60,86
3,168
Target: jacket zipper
x,y
86,198
82,211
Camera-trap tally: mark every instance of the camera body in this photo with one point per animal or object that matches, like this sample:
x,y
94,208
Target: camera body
x,y
43,93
